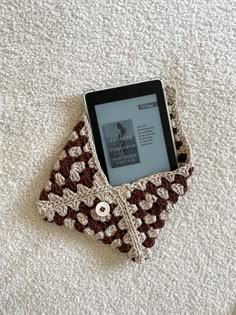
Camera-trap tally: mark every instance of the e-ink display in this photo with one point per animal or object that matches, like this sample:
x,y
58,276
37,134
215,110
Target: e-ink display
x,y
132,138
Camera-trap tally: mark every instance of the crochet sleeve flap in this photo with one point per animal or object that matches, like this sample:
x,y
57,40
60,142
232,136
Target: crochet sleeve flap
x,y
134,213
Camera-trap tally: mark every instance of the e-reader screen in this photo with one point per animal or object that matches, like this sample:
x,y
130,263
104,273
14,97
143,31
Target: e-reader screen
x,y
132,138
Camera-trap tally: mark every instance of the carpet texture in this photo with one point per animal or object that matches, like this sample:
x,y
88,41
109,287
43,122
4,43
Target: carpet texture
x,y
52,51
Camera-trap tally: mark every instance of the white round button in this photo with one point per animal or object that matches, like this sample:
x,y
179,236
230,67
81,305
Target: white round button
x,y
102,209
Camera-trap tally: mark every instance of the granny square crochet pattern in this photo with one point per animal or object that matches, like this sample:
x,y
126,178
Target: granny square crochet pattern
x,y
136,212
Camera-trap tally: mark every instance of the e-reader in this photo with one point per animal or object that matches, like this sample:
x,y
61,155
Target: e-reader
x,y
132,131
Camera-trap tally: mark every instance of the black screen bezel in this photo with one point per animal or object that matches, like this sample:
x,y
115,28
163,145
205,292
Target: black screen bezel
x,y
97,98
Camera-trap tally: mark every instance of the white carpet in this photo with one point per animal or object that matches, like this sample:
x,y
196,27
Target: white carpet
x,y
52,51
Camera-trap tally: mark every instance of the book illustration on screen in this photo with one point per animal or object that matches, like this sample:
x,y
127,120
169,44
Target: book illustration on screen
x,y
121,143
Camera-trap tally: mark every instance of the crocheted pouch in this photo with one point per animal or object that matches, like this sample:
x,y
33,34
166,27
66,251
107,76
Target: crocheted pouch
x,y
78,192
